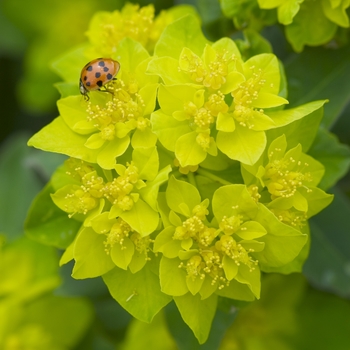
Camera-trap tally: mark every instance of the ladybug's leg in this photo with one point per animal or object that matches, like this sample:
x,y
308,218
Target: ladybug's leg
x,y
106,90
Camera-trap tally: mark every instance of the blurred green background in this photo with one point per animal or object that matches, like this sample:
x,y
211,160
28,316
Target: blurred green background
x,y
41,307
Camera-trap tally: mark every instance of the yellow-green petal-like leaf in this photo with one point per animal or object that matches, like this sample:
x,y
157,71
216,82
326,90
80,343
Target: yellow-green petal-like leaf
x,y
142,218
95,141
142,300
57,137
172,277
225,122
121,254
107,156
91,259
242,144
188,151
198,314
185,32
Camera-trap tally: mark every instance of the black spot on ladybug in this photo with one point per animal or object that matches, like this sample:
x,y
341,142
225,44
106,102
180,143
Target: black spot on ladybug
x,y
99,83
89,68
105,69
85,78
109,76
88,83
101,64
97,75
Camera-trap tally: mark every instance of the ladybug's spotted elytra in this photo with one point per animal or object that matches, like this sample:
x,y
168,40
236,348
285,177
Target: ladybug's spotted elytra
x,y
97,73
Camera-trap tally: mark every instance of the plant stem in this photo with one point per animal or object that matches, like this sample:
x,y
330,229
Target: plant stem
x,y
213,177
191,179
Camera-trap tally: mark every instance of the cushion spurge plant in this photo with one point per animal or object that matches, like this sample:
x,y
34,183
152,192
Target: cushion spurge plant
x,y
186,180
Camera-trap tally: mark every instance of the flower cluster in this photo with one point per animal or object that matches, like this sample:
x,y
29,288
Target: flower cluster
x,y
240,190
107,29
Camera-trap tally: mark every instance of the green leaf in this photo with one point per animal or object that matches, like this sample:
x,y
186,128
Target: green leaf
x,y
336,12
67,89
172,248
317,200
150,193
225,122
290,302
155,336
144,138
57,137
91,259
232,199
327,264
168,129
185,32
282,242
137,293
188,151
302,124
297,264
122,254
194,285
73,111
268,63
242,144
95,141
147,162
179,193
69,66
308,84
288,10
237,291
254,43
251,230
173,97
232,8
163,66
29,277
310,27
230,267
142,218
106,158
198,314
172,277
130,54
57,315
48,224
333,155
251,278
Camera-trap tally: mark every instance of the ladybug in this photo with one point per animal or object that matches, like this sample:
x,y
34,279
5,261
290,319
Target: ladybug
x,y
97,73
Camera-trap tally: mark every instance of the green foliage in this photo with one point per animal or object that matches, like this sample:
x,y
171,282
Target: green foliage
x,y
26,296
306,22
284,318
189,177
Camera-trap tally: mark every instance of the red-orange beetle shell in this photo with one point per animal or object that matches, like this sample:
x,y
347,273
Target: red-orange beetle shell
x,y
97,73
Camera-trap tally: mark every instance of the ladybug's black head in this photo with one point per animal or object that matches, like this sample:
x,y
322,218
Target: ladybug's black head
x,y
83,90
